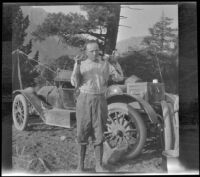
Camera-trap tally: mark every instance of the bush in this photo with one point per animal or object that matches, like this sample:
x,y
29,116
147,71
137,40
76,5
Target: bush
x,y
47,76
144,65
63,62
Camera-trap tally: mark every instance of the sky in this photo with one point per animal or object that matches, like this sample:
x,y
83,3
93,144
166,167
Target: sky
x,y
138,21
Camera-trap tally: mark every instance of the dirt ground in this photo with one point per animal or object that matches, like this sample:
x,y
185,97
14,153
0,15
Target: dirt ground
x,y
50,149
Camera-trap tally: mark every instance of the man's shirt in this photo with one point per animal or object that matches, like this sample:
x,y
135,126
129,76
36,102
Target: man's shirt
x,y
94,76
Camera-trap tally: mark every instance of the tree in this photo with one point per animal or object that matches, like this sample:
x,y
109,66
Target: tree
x,y
63,62
105,18
162,46
162,37
46,75
138,63
74,29
157,56
36,56
19,26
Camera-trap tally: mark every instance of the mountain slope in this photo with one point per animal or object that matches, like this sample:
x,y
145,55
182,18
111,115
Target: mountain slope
x,y
50,48
133,43
36,17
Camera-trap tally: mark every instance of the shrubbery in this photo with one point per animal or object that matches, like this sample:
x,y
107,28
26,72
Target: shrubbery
x,y
47,75
144,65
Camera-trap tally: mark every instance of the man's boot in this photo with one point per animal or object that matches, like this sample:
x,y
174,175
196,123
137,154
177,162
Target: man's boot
x,y
99,156
81,153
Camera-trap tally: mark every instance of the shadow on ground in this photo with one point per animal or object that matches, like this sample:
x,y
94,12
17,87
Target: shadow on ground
x,y
150,156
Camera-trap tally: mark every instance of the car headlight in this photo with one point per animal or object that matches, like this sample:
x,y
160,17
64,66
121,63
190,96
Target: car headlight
x,y
113,90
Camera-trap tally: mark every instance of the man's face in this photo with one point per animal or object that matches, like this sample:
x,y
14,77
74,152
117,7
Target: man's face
x,y
92,51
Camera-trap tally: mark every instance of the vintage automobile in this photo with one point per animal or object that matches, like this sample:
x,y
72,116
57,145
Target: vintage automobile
x,y
134,108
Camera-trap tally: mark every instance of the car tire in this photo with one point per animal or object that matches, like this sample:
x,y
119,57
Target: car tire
x,y
137,121
20,112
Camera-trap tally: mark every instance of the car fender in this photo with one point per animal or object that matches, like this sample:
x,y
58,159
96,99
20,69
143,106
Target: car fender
x,y
135,102
33,99
170,109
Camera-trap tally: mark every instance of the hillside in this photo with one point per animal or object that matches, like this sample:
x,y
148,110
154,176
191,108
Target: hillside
x,y
133,43
51,48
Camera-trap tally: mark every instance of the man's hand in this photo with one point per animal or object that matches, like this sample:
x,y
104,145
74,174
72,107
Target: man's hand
x,y
79,58
106,57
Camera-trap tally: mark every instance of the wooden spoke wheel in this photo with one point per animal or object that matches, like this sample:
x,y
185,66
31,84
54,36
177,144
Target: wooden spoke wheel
x,y
125,129
20,112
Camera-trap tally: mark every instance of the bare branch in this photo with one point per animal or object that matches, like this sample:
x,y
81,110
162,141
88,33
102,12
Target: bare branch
x,y
125,26
131,8
99,36
123,17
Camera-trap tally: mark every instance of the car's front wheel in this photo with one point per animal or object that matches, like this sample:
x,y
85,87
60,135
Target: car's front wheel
x,y
20,112
125,130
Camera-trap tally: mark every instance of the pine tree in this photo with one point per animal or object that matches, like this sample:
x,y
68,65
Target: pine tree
x,y
105,19
19,26
36,56
162,36
101,24
162,47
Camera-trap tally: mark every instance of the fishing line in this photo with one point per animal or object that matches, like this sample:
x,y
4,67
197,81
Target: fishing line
x,y
21,52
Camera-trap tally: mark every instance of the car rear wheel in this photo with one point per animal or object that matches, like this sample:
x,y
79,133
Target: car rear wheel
x,y
125,130
20,112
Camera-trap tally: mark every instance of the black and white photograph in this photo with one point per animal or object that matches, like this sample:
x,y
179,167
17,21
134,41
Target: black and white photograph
x,y
100,88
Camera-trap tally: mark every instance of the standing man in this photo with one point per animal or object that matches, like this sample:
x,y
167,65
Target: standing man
x,y
91,76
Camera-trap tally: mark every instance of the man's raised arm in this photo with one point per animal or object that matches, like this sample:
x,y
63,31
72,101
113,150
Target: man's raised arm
x,y
116,73
76,75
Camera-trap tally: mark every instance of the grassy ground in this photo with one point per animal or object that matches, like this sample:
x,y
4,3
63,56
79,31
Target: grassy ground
x,y
49,149
53,149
